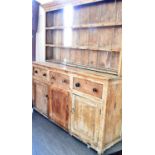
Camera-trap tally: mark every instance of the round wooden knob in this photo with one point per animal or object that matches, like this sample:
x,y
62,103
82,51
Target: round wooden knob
x,y
44,74
94,90
77,84
64,81
52,77
36,71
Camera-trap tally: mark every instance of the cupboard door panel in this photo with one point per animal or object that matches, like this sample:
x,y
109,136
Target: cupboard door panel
x,y
41,97
85,119
59,106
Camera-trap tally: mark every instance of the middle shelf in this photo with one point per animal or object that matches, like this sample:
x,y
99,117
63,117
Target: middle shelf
x,y
94,25
84,48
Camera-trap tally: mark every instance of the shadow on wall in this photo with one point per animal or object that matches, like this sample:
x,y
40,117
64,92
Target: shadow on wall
x,y
35,14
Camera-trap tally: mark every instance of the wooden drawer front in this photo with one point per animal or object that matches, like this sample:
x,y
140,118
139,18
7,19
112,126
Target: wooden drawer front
x,y
44,74
60,79
41,73
36,71
88,87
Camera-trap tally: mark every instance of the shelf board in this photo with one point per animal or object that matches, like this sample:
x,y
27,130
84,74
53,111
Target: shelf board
x,y
55,28
99,69
95,25
84,48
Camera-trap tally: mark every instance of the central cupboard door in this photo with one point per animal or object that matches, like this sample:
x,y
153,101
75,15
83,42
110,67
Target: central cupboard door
x,y
59,101
85,119
41,98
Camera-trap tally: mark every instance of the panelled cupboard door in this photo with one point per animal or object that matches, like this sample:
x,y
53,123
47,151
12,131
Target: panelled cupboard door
x,y
59,100
41,98
85,119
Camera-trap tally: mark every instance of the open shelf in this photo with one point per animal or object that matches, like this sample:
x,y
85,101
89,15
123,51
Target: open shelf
x,y
84,48
95,25
94,37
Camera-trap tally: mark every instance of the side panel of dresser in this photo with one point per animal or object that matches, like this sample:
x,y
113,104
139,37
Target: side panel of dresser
x,y
113,114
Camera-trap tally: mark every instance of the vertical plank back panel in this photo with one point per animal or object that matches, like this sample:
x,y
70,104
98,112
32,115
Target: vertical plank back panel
x,y
93,58
93,44
94,14
56,54
49,19
49,53
49,37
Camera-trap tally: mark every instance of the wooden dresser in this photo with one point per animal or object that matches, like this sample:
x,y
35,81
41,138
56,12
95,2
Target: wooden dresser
x,y
79,85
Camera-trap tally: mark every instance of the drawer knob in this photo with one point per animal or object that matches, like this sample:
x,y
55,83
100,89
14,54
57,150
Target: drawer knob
x,y
77,84
94,90
46,96
52,77
64,81
44,74
36,71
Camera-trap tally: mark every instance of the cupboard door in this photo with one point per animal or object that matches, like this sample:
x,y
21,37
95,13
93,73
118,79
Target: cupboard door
x,y
85,119
59,100
41,98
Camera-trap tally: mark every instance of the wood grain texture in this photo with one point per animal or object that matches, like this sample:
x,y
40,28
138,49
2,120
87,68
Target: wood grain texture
x,y
103,105
86,103
41,97
49,19
49,53
96,27
98,76
88,87
59,80
75,56
113,112
60,4
85,119
41,73
59,105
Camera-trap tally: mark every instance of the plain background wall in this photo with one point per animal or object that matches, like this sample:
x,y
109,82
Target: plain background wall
x,y
40,36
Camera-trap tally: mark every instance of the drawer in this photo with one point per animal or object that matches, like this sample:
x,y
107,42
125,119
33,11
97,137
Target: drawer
x,y
40,72
59,79
88,87
44,74
36,71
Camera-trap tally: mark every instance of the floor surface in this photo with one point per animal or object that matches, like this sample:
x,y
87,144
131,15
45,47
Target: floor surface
x,y
49,139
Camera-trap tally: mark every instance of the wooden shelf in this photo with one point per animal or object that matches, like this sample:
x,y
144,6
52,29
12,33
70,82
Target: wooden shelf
x,y
84,48
95,25
99,69
55,28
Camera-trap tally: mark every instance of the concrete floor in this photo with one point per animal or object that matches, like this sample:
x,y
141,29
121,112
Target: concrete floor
x,y
49,139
